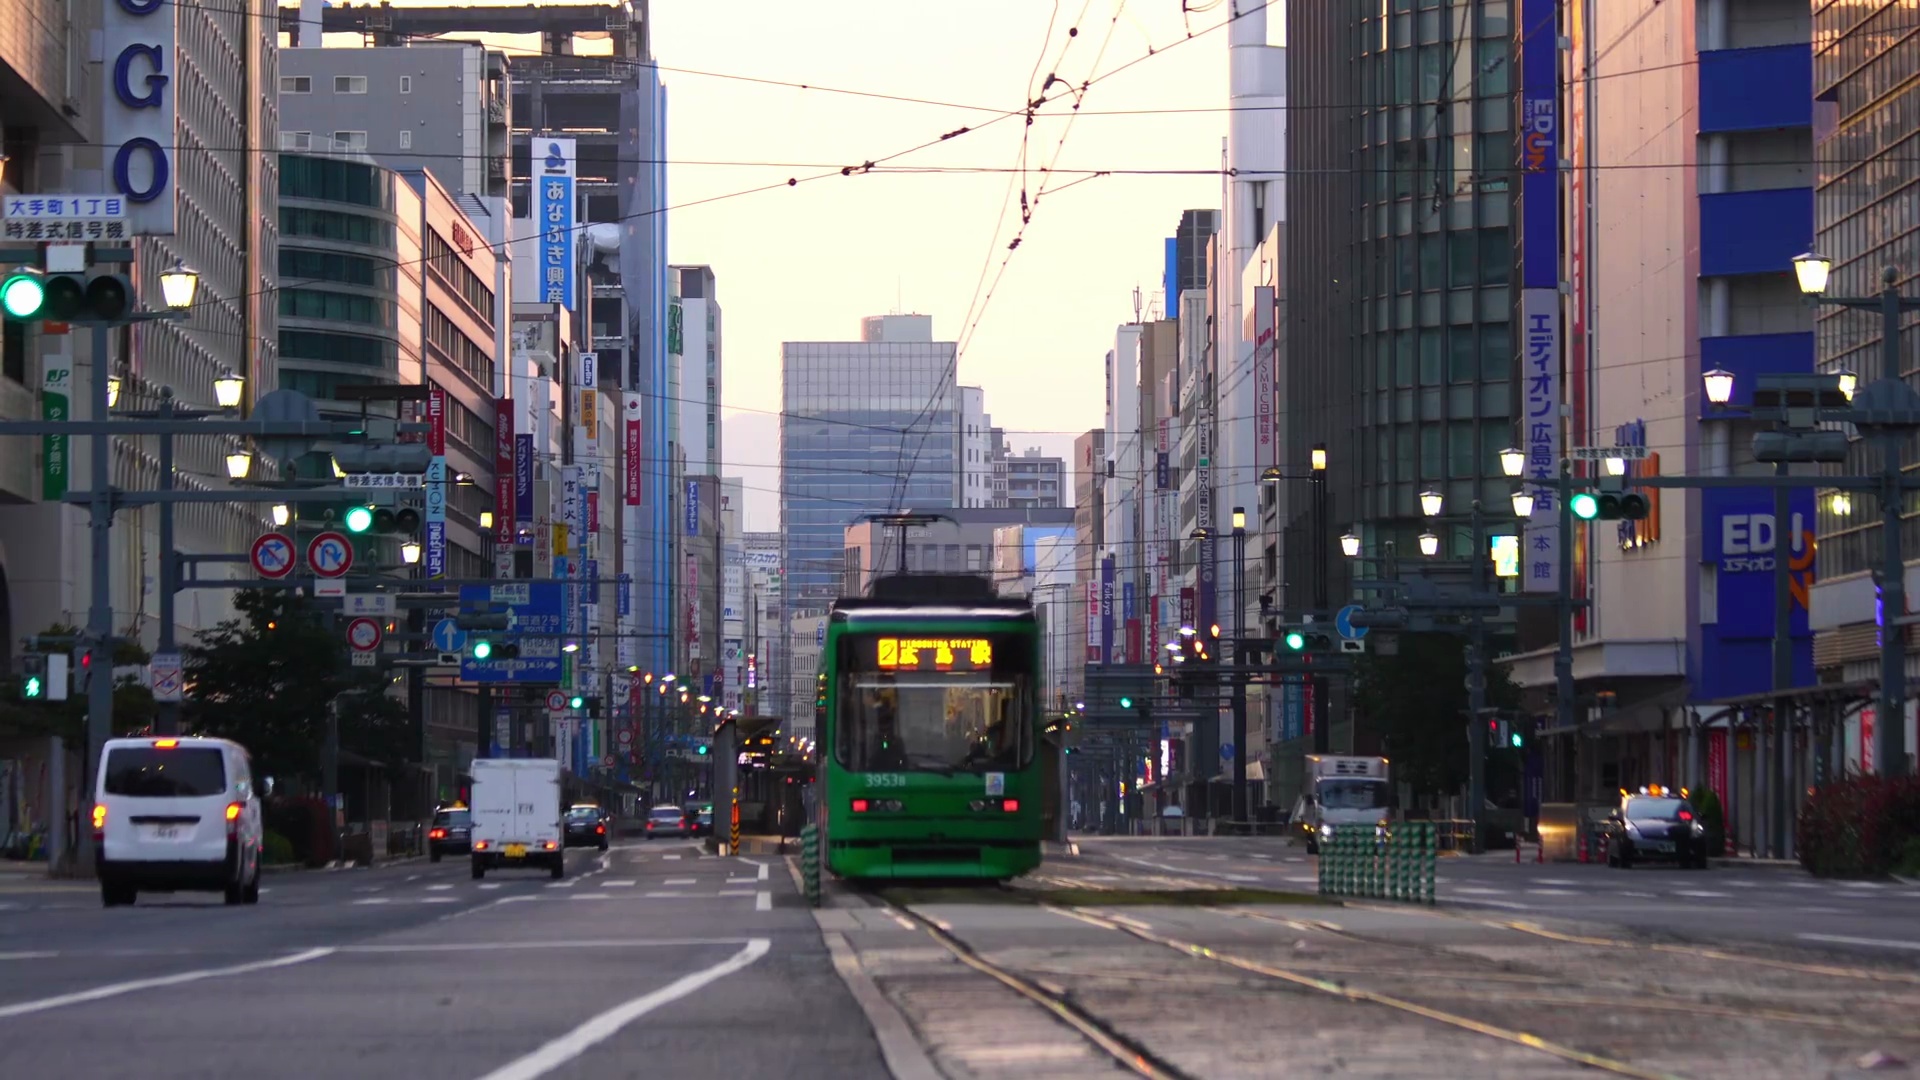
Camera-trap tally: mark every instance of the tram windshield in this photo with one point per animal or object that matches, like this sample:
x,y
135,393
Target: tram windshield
x,y
944,705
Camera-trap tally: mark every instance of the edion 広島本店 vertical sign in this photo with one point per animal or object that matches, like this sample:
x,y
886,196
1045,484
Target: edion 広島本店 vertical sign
x,y
438,481
504,522
139,44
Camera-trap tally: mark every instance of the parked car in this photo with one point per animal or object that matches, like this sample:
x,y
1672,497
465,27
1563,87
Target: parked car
x,y
176,814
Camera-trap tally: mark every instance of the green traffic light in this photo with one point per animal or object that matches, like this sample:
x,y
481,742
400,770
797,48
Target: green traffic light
x,y
482,650
702,751
575,701
1296,640
1584,506
1514,740
33,687
1126,703
22,295
359,519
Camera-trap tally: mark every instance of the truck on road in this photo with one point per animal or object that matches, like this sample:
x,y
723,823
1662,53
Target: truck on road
x,y
1343,790
515,812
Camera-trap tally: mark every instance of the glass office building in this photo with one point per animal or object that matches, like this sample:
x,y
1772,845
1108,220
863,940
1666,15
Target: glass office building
x,y
866,427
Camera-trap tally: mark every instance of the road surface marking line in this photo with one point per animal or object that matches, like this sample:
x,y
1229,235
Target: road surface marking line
x,y
493,946
116,989
1704,893
626,883
438,900
762,876
489,884
669,856
736,892
437,888
763,902
658,895
1842,939
589,896
741,880
604,1026
27,955
512,899
678,881
375,900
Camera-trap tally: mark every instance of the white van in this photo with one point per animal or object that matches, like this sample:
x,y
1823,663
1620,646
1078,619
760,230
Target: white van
x,y
176,814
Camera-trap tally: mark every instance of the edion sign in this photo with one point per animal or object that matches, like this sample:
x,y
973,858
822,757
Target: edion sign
x,y
138,121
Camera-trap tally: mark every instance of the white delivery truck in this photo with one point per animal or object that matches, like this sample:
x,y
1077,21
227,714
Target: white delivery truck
x,y
516,815
1342,790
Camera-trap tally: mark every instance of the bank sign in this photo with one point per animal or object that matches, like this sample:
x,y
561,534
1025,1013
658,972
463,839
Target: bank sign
x,y
137,122
1742,542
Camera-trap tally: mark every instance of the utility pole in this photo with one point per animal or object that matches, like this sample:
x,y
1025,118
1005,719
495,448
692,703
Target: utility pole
x,y
1477,692
1239,805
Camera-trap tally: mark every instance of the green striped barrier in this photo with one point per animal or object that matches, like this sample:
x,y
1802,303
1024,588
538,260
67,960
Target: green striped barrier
x,y
810,863
1356,862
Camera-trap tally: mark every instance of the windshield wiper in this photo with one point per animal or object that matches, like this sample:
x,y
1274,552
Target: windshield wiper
x,y
932,765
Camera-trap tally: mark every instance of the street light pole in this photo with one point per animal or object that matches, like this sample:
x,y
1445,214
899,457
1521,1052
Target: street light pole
x,y
1322,711
1563,702
1782,661
1239,659
1811,271
100,602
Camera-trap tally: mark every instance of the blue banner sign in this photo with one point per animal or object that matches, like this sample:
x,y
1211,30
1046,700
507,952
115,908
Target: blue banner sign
x,y
553,206
523,479
693,508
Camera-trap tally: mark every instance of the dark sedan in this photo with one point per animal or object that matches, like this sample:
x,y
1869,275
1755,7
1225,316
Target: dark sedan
x,y
451,833
586,827
1656,825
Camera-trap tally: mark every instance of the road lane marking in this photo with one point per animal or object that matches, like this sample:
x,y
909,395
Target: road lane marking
x,y
375,900
669,856
762,876
489,884
736,892
660,895
678,881
626,883
439,887
604,1026
438,900
494,946
1553,892
1705,894
763,902
1883,943
116,989
27,955
589,896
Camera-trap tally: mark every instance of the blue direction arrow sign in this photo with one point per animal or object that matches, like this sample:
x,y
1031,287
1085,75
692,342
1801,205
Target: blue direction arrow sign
x,y
448,637
1343,622
535,608
1226,751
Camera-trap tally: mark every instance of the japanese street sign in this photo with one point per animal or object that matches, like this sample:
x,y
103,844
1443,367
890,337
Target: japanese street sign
x,y
164,676
364,634
448,637
556,701
368,604
366,659
385,480
64,217
272,555
330,555
1601,453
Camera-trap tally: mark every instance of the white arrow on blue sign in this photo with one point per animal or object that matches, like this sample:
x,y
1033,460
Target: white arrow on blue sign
x,y
1343,622
448,637
1226,751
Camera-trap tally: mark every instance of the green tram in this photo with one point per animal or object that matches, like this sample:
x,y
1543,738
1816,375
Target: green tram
x,y
927,715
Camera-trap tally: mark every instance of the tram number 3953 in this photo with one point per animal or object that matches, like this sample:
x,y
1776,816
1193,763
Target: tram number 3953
x,y
887,779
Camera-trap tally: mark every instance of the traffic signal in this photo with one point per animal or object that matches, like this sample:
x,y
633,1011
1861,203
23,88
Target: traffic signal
x,y
33,677
359,519
381,521
701,750
576,701
1307,639
1611,503
1126,703
31,295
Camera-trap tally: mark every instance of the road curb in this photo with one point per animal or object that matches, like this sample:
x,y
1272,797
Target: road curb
x,y
899,1045
1755,864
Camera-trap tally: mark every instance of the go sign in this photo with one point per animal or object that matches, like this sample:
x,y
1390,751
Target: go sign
x,y
141,47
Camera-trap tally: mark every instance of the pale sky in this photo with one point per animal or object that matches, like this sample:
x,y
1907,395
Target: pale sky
x,y
806,263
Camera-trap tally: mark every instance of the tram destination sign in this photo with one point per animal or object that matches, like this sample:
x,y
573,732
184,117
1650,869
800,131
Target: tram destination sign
x,y
932,654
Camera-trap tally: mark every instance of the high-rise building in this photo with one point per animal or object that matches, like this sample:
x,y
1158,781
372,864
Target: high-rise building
x,y
976,449
697,400
866,427
195,158
441,106
1031,480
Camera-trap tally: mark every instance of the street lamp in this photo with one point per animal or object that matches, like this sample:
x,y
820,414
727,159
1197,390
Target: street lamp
x,y
113,391
1513,461
486,520
1239,518
1811,270
1350,544
410,551
178,286
570,647
226,390
1719,386
238,463
1616,466
1522,504
1429,544
1849,382
1319,457
281,515
1840,503
1430,504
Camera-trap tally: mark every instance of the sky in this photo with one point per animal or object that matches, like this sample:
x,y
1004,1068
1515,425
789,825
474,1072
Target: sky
x,y
806,262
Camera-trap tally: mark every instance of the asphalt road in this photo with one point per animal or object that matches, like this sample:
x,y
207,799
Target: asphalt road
x,y
652,959
1775,905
